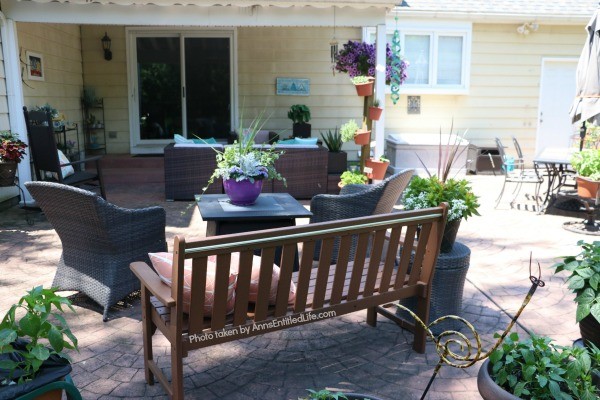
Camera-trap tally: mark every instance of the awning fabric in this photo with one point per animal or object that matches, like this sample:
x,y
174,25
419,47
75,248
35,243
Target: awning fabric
x,y
236,3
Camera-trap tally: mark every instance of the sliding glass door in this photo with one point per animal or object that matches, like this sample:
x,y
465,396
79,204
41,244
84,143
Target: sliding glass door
x,y
182,85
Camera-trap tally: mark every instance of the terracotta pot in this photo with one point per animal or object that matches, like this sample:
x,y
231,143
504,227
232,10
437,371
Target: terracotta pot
x,y
488,389
379,168
586,187
375,113
364,89
590,330
450,232
8,171
242,193
362,137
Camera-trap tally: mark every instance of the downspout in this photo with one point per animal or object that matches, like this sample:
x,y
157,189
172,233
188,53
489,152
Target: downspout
x,y
14,94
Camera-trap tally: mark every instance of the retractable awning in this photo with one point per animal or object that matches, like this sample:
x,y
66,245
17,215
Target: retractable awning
x,y
235,3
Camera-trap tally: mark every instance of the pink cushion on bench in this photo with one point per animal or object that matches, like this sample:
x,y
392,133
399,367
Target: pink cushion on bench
x,y
163,264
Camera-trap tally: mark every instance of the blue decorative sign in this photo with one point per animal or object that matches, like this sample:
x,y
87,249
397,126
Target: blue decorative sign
x,y
293,86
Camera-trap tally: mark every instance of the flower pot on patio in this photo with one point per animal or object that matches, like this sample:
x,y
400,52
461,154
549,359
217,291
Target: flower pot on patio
x,y
488,389
244,192
375,113
301,130
590,330
8,172
450,232
362,137
337,162
586,187
379,168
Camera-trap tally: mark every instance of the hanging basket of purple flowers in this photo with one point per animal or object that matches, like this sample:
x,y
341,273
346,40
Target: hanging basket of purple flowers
x,y
358,59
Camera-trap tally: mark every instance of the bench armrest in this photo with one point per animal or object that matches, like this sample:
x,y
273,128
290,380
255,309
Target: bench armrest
x,y
152,282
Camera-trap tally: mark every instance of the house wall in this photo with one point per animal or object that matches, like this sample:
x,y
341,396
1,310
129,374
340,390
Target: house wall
x,y
5,192
503,99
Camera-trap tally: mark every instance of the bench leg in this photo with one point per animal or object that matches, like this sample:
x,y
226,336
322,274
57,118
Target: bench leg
x,y
177,372
148,329
372,316
422,312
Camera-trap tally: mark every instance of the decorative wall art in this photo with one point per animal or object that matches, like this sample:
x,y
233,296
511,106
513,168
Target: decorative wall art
x,y
35,66
293,86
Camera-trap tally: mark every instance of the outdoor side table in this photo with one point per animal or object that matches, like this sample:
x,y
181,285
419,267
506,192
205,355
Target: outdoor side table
x,y
447,289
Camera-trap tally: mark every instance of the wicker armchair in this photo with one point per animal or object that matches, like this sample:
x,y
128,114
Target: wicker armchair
x,y
358,201
99,241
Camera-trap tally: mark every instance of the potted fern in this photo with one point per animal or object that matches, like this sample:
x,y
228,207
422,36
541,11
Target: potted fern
x,y
337,159
300,115
33,339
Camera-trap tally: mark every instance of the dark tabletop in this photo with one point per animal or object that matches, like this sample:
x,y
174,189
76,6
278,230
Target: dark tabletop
x,y
268,206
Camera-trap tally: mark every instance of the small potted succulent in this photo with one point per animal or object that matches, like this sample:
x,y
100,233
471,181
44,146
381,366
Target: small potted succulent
x,y
375,111
536,368
378,167
354,177
337,159
33,339
584,281
12,151
587,165
350,131
363,84
300,115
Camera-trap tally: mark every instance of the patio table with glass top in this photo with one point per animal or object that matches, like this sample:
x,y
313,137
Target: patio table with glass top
x,y
557,161
271,210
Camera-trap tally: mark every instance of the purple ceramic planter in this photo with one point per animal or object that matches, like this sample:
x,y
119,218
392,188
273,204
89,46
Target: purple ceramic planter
x,y
242,193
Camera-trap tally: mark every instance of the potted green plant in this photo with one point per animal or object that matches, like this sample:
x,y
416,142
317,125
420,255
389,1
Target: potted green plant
x,y
375,111
33,339
584,281
535,368
12,151
354,177
244,166
378,167
587,165
363,85
300,115
350,131
337,159
325,394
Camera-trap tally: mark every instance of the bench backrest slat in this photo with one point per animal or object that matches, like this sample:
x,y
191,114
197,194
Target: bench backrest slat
x,y
219,311
323,273
415,271
304,276
359,265
264,283
199,267
341,269
390,260
243,288
374,262
288,255
405,255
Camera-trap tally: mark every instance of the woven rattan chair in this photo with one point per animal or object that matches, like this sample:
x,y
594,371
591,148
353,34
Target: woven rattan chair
x,y
44,154
99,240
358,201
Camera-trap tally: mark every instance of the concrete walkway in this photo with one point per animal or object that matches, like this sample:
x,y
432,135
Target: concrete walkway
x,y
342,353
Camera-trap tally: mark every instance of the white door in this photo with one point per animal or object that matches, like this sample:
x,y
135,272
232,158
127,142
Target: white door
x,y
557,91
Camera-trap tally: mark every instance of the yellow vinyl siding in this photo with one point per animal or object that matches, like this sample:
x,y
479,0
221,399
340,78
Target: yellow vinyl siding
x,y
503,99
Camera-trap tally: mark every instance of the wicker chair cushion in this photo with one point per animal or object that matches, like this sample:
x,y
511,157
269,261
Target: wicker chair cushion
x,y
163,264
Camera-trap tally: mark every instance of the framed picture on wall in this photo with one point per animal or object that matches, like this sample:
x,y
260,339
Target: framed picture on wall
x,y
35,66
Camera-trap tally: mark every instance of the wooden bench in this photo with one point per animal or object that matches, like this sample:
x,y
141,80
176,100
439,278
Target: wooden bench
x,y
373,279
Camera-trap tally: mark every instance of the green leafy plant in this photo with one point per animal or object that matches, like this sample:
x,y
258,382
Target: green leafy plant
x,y
348,130
47,108
382,158
587,163
324,395
585,278
245,160
333,140
299,113
536,368
36,319
11,147
376,103
352,177
430,192
361,80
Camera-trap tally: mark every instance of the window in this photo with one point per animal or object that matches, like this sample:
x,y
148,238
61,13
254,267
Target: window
x,y
438,54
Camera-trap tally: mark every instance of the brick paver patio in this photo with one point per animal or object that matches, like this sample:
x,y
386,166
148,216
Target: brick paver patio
x,y
342,353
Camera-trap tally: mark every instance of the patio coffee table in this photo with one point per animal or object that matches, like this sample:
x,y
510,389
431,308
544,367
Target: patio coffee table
x,y
271,210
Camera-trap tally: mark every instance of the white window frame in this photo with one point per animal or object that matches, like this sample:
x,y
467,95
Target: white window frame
x,y
435,29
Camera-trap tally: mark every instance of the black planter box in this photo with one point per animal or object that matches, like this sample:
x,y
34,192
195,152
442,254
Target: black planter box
x,y
337,162
301,130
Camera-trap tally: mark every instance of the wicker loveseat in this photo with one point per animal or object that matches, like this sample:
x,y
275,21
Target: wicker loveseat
x,y
188,168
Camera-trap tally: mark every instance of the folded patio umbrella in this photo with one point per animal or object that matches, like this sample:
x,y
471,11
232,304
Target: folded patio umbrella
x,y
587,101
